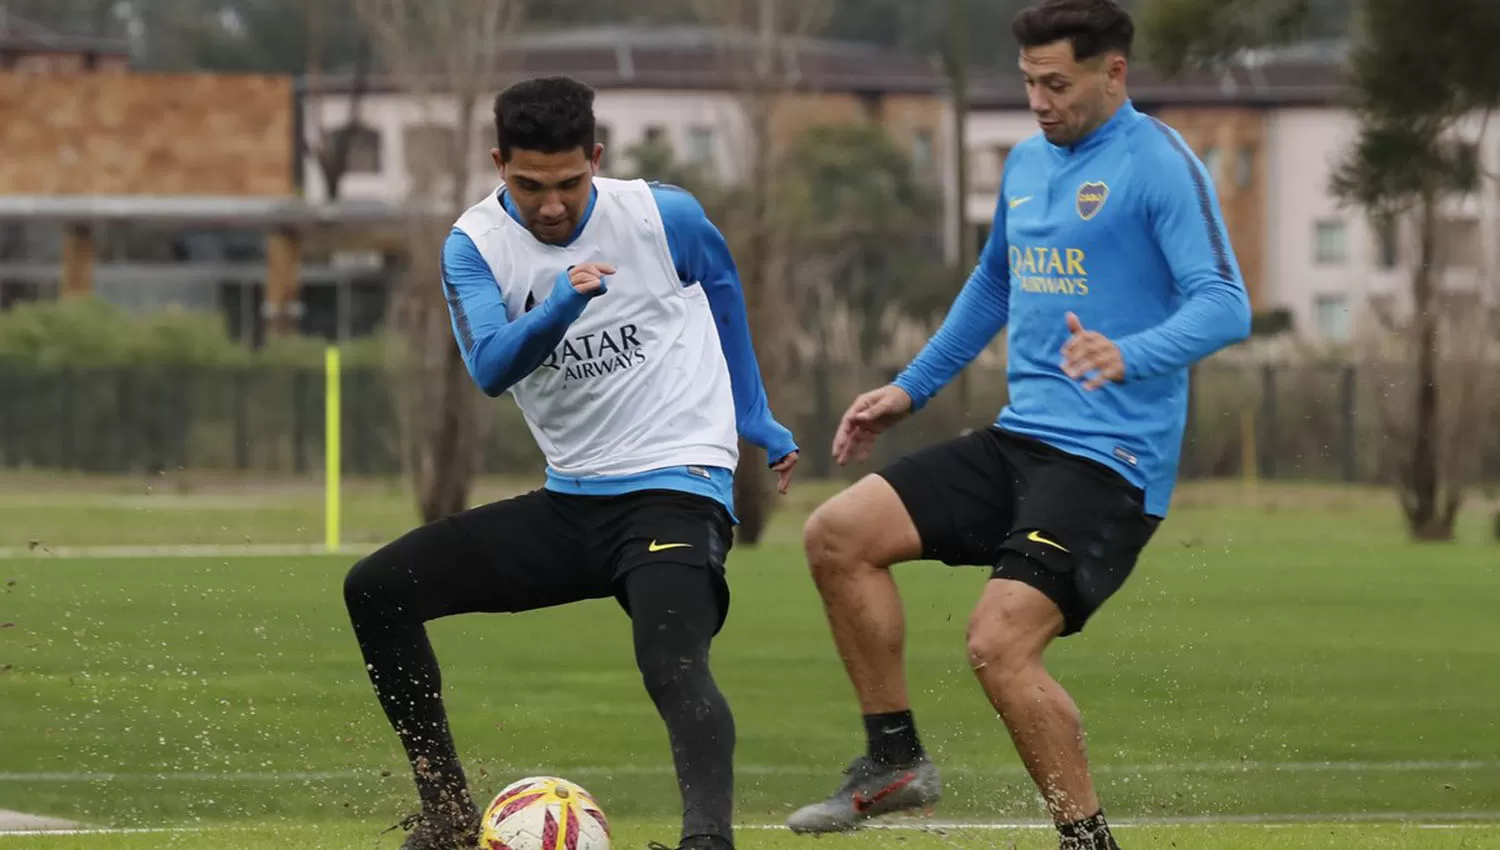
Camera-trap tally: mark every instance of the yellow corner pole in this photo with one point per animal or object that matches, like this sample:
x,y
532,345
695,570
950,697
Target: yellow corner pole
x,y
331,448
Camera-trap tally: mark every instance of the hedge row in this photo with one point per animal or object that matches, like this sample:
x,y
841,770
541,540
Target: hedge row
x,y
90,333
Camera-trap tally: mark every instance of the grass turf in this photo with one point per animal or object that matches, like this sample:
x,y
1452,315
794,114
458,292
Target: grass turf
x,y
1287,655
1219,837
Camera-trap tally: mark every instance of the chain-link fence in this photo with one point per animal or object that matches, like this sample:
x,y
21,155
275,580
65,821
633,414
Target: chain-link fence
x,y
1294,423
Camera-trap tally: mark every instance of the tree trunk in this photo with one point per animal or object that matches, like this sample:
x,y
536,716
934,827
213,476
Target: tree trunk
x,y
443,405
437,405
958,72
751,482
435,402
1421,496
454,445
334,159
331,153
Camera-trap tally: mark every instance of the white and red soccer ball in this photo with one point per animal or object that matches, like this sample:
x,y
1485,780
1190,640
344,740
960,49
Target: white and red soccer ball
x,y
544,813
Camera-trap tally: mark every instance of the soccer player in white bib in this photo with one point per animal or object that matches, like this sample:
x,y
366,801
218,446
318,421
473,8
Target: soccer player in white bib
x,y
612,313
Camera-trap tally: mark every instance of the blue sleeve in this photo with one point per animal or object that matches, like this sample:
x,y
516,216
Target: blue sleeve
x,y
497,351
702,257
1190,231
979,313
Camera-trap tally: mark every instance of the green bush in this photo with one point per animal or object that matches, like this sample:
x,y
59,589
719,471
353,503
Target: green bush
x,y
94,334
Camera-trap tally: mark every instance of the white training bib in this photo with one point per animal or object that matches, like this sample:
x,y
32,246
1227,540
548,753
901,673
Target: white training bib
x,y
639,381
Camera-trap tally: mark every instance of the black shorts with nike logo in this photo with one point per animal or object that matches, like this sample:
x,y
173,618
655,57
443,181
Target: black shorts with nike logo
x,y
1066,525
545,548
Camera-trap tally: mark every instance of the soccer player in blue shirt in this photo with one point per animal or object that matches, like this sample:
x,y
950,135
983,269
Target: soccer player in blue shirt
x,y
1111,267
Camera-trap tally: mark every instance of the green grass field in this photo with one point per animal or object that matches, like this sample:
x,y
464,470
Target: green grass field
x,y
1286,658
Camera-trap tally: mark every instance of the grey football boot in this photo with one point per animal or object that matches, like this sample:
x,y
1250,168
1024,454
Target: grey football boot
x,y
871,789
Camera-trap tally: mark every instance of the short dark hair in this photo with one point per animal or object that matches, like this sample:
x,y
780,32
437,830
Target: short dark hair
x,y
1092,26
546,115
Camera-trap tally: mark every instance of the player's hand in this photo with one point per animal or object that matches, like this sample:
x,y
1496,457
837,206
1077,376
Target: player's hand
x,y
1090,351
869,415
588,278
783,469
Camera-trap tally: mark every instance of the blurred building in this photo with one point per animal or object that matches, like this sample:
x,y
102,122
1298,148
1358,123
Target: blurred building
x,y
205,190
166,190
679,85
1271,132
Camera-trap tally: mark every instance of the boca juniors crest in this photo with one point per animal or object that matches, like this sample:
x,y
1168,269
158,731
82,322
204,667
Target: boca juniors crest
x,y
1091,198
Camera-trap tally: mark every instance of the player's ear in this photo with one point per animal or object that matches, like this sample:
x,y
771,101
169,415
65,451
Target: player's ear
x,y
598,156
1115,67
499,160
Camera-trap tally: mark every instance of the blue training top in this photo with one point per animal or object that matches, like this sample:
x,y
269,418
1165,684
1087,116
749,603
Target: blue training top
x,y
1122,228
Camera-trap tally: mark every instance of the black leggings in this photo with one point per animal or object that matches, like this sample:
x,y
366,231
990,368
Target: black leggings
x,y
466,564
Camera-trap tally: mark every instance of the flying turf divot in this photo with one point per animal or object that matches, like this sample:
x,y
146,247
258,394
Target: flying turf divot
x,y
20,821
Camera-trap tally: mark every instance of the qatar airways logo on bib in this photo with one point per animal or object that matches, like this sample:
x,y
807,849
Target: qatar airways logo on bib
x,y
597,354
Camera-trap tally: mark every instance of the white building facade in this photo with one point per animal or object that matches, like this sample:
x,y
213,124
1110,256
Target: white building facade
x,y
679,85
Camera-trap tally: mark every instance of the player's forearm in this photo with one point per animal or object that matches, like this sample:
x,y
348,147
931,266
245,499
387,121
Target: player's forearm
x,y
506,354
752,412
1216,316
979,312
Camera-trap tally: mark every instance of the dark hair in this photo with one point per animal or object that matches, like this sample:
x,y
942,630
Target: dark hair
x,y
546,115
1093,26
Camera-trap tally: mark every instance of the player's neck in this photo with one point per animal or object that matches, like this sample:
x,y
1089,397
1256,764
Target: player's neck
x,y
1112,107
1110,113
509,205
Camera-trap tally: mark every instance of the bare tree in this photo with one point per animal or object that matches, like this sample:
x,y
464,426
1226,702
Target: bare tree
x,y
329,146
762,53
445,57
1451,333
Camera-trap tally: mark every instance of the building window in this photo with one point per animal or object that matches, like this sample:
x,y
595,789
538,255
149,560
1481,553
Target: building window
x,y
1458,243
982,231
1333,317
1211,162
922,151
987,167
700,145
429,149
1466,158
364,149
1387,245
1330,242
655,134
1244,167
1002,153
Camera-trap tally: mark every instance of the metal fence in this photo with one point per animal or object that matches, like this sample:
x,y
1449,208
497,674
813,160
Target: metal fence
x,y
1302,423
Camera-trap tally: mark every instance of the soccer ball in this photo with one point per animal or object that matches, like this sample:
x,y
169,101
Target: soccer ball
x,y
544,813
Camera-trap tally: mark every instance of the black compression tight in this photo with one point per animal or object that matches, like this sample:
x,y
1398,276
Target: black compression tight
x,y
432,573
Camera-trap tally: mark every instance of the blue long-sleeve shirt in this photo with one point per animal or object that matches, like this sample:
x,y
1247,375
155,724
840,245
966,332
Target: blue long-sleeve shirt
x,y
1122,228
500,352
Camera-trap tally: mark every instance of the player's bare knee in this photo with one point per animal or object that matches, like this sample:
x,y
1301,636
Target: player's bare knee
x,y
1005,637
830,538
863,528
994,648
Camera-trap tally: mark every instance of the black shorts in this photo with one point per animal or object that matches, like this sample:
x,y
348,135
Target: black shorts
x,y
542,548
1068,526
